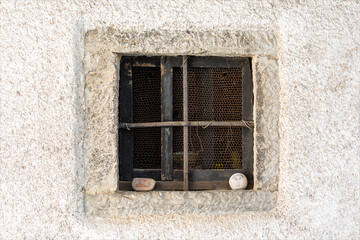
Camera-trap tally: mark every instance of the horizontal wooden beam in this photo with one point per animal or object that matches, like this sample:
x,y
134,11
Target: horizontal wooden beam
x,y
248,124
194,175
193,61
178,185
217,62
143,61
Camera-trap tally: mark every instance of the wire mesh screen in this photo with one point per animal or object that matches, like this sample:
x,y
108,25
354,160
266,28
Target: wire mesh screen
x,y
146,83
147,148
210,148
214,95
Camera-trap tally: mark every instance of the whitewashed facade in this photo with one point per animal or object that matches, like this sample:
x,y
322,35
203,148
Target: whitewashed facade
x,y
43,117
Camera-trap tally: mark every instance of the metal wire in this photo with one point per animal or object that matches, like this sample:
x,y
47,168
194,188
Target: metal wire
x,y
214,95
146,82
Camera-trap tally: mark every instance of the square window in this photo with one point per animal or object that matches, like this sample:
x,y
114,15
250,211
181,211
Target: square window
x,y
185,121
107,48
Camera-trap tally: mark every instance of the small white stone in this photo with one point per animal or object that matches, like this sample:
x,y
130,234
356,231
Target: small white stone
x,y
238,181
143,184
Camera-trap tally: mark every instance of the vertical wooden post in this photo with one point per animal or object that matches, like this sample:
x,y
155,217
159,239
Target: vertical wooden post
x,y
247,115
126,115
166,115
185,114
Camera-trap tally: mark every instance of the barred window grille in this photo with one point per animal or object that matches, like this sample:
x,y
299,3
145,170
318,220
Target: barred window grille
x,y
185,121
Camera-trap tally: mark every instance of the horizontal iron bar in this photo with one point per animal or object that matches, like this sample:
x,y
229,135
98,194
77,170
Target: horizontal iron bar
x,y
248,124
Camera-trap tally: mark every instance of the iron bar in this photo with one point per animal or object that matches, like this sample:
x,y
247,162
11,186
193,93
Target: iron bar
x,y
186,128
248,124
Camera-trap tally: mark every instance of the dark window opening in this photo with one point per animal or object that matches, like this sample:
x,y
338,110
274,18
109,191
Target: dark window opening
x,y
216,125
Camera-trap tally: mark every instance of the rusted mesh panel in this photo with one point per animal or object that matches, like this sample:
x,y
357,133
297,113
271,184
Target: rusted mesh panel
x,y
214,94
146,84
178,147
147,148
209,148
177,94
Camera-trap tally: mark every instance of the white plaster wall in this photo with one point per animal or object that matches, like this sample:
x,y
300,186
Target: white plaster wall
x,y
41,117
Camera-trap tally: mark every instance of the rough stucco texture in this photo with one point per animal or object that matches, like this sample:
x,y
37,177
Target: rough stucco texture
x,y
42,117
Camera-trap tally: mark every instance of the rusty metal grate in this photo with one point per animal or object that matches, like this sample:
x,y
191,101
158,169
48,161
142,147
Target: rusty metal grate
x,y
147,148
210,148
214,95
146,82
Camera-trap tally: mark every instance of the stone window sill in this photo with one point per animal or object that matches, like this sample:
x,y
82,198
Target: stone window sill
x,y
177,202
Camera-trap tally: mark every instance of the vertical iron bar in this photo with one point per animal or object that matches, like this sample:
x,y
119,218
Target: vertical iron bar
x,y
185,114
126,115
166,115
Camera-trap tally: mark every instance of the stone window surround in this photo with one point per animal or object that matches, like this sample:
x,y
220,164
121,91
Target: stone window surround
x,y
103,50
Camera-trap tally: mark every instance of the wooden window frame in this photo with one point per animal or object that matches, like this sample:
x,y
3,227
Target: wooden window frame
x,y
167,178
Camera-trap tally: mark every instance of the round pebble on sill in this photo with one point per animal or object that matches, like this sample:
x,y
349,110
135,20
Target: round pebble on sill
x,y
143,184
238,181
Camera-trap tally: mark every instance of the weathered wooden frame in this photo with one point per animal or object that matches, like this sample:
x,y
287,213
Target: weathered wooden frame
x,y
103,51
167,64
